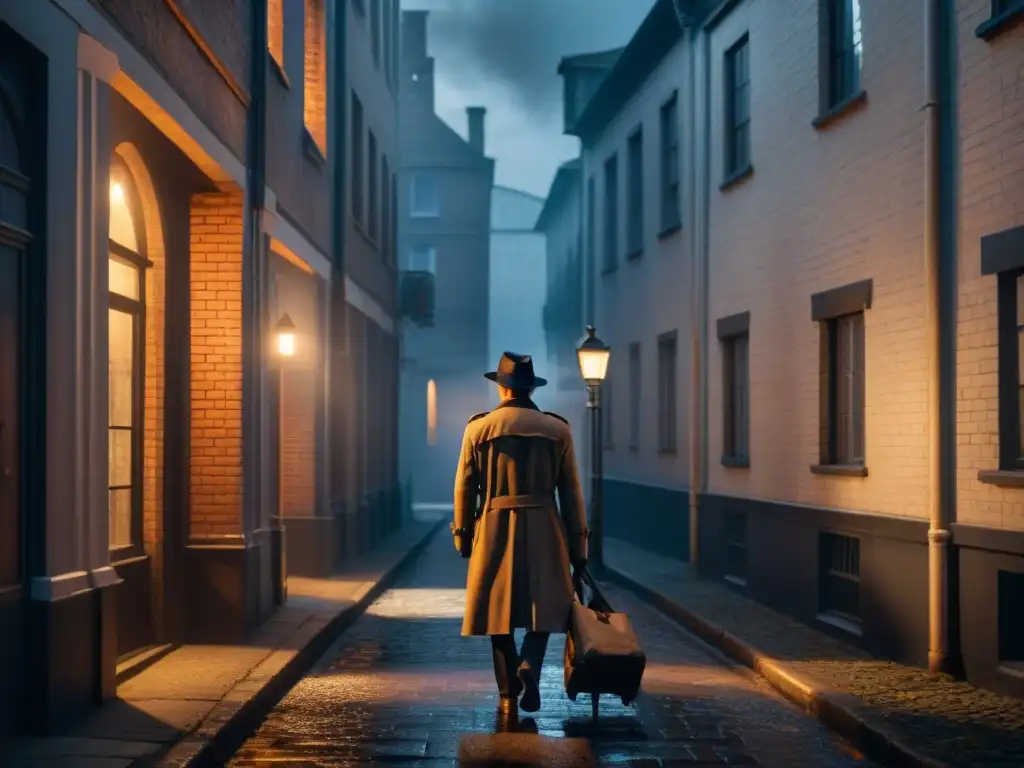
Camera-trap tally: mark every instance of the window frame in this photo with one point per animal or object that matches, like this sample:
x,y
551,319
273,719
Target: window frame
x,y
671,208
315,28
610,245
372,191
635,193
419,249
427,212
840,67
635,394
385,209
738,154
1009,330
734,334
358,129
668,405
837,334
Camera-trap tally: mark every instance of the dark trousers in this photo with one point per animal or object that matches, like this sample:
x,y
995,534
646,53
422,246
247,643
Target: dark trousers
x,y
507,660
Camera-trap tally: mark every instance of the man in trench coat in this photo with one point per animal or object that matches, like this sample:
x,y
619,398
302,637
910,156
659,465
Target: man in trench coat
x,y
520,544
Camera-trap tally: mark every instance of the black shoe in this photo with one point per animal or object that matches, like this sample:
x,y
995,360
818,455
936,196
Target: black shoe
x,y
530,702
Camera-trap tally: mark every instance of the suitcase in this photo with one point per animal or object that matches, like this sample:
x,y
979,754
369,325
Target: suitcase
x,y
602,652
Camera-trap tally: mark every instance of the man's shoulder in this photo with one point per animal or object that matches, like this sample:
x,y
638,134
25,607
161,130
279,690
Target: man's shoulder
x,y
476,416
557,416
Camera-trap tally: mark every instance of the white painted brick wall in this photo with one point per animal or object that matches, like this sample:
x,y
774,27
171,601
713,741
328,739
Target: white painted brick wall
x,y
991,127
823,209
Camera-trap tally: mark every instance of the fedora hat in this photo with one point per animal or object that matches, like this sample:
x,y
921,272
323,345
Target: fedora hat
x,y
516,372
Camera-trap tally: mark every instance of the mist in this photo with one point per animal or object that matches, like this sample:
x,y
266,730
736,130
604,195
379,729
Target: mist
x,y
503,54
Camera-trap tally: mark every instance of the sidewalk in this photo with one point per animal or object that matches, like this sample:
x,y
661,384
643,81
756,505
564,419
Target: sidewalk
x,y
200,701
897,714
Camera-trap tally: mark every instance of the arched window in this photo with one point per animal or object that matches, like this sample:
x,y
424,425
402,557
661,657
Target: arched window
x,y
14,240
127,366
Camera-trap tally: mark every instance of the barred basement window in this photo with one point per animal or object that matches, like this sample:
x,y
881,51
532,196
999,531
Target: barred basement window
x,y
735,534
839,580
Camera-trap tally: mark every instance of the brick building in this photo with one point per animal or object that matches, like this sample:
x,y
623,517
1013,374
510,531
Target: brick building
x,y
171,176
444,198
851,245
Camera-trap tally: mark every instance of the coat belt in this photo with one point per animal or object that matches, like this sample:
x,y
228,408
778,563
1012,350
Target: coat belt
x,y
525,501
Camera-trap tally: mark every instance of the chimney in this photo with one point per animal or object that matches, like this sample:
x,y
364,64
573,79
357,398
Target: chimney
x,y
476,127
414,35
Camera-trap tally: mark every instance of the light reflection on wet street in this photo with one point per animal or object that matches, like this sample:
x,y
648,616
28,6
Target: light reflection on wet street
x,y
402,687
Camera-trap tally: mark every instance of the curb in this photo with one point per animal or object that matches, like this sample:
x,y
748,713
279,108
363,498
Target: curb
x,y
843,713
216,738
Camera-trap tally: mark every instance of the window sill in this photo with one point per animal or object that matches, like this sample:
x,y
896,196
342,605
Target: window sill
x,y
842,470
736,462
835,112
634,254
735,581
132,553
669,229
364,233
311,150
667,451
608,270
1011,669
278,68
737,177
993,27
1006,478
424,215
841,622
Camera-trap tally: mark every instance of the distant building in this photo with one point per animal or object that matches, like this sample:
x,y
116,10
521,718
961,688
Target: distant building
x,y
518,281
444,202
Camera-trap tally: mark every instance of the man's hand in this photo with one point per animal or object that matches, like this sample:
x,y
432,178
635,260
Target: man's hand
x,y
463,540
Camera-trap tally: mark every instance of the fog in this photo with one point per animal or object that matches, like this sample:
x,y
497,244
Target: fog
x,y
503,54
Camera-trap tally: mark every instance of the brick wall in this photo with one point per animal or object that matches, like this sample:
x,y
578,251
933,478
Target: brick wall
x,y
991,102
823,208
299,450
216,364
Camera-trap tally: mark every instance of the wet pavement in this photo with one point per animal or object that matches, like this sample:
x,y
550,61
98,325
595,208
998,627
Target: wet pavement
x,y
402,687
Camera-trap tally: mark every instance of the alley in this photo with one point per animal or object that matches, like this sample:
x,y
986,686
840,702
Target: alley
x,y
401,685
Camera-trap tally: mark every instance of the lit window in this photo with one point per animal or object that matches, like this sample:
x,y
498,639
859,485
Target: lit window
x,y
315,101
275,30
431,413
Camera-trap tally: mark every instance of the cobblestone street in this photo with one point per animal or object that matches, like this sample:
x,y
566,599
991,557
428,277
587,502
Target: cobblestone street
x,y
401,685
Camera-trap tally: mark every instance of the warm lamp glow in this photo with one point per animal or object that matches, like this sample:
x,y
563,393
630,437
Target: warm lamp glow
x,y
286,337
593,355
116,193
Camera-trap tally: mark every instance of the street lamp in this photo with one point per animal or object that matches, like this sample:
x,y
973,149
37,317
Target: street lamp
x,y
285,333
593,355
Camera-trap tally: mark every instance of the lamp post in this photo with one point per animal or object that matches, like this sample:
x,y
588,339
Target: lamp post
x,y
285,333
593,355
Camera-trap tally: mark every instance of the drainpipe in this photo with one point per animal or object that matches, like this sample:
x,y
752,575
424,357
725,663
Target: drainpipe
x,y
937,249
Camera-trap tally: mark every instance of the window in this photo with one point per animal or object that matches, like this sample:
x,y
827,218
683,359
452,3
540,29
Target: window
x,y
431,413
670,214
734,528
275,30
634,396
388,32
373,212
394,219
1011,363
375,12
1010,618
357,158
840,24
423,258
635,233
736,397
127,361
667,392
611,212
591,247
608,415
386,213
839,580
842,373
737,108
315,92
425,196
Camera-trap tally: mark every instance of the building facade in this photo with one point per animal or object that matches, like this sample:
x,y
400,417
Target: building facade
x,y
851,249
444,204
637,270
518,284
168,178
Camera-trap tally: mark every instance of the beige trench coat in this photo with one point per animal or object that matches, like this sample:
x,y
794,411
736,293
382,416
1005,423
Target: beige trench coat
x,y
515,458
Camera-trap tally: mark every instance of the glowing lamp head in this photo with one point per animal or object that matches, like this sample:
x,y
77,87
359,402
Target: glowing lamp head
x,y
286,337
593,355
116,193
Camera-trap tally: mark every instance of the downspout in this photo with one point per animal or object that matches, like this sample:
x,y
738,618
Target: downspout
x,y
940,297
